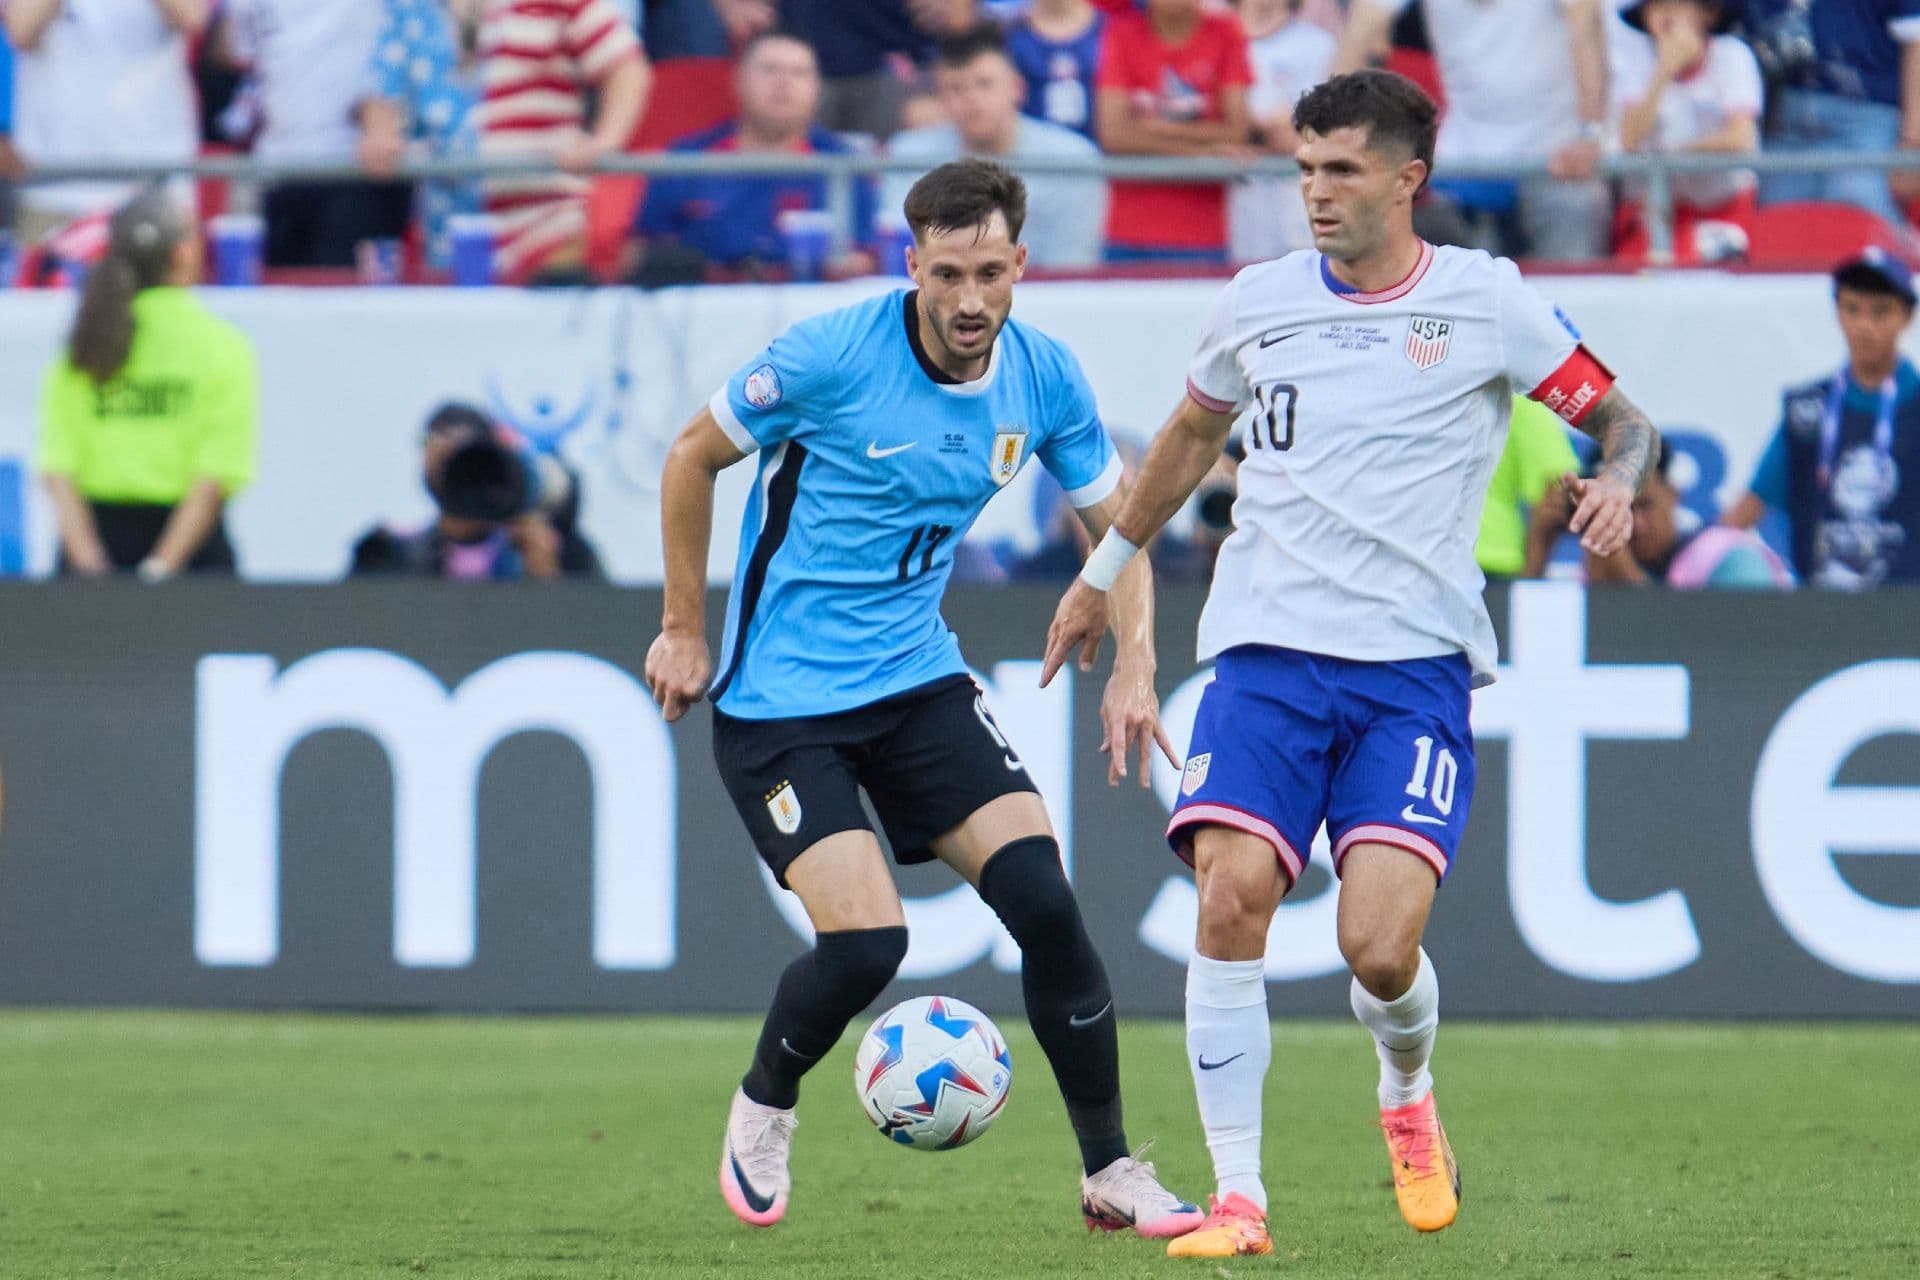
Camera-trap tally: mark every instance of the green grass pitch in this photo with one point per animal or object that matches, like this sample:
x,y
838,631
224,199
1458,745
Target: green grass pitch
x,y
236,1146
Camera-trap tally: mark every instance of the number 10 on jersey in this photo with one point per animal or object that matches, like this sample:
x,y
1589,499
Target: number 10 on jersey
x,y
1273,404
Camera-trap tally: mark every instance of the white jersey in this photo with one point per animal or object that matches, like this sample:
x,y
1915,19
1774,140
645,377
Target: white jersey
x,y
1375,422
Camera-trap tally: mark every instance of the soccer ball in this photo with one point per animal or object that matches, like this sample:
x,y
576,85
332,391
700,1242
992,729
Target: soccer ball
x,y
932,1073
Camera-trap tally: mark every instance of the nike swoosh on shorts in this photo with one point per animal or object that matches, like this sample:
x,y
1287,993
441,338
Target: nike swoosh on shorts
x,y
1427,818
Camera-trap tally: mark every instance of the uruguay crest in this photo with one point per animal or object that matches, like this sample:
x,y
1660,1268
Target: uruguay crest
x,y
1009,446
1428,338
784,806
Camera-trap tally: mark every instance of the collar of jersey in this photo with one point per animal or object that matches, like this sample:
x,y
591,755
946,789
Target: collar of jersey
x,y
1346,292
943,381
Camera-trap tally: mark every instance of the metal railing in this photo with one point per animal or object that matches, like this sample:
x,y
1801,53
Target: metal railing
x,y
840,172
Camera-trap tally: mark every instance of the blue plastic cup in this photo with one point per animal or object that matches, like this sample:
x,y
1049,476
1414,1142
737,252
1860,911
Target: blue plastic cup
x,y
891,236
239,240
809,237
379,260
471,235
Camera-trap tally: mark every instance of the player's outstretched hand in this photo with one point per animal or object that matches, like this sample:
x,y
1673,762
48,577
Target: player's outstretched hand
x,y
678,669
1078,623
1602,511
1130,714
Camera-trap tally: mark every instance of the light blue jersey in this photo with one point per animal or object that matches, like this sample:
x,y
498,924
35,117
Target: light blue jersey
x,y
872,472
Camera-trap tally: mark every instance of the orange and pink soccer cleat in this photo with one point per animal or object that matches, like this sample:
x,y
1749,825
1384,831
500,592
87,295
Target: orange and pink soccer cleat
x,y
1426,1180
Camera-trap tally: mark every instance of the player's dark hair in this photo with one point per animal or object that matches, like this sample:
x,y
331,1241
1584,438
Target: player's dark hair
x,y
966,193
140,243
1391,108
961,48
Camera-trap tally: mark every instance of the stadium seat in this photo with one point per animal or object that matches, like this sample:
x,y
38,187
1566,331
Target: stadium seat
x,y
688,94
1817,233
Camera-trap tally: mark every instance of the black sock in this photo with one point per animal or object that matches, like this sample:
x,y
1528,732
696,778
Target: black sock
x,y
818,995
1069,1004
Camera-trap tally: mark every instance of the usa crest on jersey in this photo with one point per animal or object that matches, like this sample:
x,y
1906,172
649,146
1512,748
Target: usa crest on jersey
x,y
784,806
1009,443
1428,338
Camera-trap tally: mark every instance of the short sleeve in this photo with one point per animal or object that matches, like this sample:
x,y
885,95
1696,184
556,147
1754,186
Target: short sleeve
x,y
1770,480
787,385
230,421
392,60
598,37
59,453
1214,379
1236,58
1903,23
1077,450
1740,79
1116,55
1542,352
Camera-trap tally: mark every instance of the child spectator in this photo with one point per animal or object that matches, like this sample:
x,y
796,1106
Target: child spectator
x,y
538,59
1173,82
1055,46
425,88
1681,84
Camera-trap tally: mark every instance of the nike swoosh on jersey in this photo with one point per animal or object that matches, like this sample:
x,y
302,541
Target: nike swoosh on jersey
x,y
1215,1066
1014,766
1268,340
1074,1019
1427,818
875,451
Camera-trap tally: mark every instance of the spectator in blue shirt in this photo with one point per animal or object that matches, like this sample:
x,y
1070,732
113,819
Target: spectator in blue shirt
x,y
425,85
1837,64
1056,48
733,221
1844,466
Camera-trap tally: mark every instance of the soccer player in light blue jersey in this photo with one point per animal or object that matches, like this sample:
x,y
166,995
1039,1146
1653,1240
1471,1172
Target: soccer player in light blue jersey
x,y
882,430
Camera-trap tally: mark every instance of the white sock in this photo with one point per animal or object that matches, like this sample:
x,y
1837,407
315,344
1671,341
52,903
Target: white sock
x,y
1229,1044
1403,1032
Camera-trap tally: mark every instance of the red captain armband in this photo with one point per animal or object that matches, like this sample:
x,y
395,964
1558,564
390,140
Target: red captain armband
x,y
1575,387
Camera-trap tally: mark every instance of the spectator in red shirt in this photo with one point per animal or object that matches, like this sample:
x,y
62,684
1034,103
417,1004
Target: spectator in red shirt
x,y
1173,82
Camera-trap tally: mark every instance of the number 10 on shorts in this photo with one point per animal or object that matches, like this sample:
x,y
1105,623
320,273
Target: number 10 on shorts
x,y
1445,774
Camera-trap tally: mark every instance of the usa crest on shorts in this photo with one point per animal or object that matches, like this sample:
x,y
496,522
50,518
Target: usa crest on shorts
x,y
1009,446
1194,776
784,806
1428,338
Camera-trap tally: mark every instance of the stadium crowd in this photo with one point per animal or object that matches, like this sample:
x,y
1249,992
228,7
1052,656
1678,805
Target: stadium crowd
x,y
565,83
568,82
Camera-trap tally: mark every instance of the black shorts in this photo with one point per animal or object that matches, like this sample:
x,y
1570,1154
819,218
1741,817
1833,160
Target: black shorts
x,y
928,759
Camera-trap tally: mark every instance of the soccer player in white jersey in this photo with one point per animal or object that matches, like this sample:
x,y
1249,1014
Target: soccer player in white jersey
x,y
1371,377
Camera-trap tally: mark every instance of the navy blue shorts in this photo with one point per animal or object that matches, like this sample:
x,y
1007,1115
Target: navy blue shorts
x,y
1381,752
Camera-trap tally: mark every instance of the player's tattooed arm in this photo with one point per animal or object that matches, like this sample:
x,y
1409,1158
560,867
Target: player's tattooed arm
x,y
1629,449
1629,445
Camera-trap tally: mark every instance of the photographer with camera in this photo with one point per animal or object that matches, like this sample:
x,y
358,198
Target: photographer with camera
x,y
506,511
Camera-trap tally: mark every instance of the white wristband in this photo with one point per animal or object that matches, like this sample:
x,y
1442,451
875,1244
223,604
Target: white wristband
x,y
154,569
1103,566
